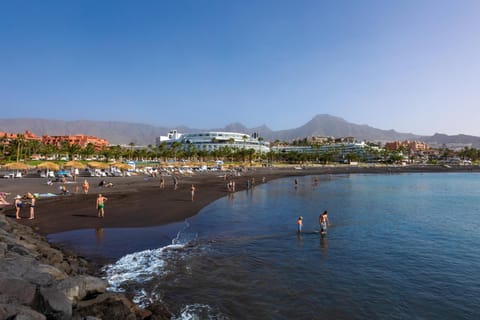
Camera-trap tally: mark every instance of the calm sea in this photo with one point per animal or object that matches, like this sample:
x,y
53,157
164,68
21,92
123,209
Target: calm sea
x,y
403,246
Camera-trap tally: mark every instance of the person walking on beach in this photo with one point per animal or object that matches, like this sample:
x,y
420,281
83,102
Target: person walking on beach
x,y
175,182
323,220
32,206
85,186
193,192
18,205
101,205
300,224
162,182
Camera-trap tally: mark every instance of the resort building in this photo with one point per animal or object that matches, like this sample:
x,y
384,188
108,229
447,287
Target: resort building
x,y
79,139
339,151
7,136
214,140
330,140
411,146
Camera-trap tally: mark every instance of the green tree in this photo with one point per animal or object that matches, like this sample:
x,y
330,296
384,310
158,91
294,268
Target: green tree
x,y
116,152
131,144
175,146
19,142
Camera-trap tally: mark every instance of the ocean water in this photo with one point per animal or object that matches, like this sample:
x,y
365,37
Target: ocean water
x,y
403,246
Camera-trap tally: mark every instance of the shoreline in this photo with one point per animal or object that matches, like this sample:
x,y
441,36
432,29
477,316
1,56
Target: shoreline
x,y
133,202
138,201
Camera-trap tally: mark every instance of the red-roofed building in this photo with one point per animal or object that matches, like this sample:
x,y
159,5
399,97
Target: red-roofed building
x,y
79,139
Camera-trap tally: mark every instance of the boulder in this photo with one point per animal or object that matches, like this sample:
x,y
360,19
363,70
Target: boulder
x,y
27,268
79,287
3,249
16,291
55,273
55,304
110,306
19,312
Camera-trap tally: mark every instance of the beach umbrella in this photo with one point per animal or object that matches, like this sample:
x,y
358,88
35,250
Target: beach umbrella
x,y
51,166
16,166
98,165
122,166
75,164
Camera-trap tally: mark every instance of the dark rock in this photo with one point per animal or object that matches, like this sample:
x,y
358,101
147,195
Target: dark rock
x,y
19,312
110,306
3,249
79,287
159,311
41,281
55,304
15,290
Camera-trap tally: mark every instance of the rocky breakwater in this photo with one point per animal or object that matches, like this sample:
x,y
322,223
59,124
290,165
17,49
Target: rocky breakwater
x,y
38,281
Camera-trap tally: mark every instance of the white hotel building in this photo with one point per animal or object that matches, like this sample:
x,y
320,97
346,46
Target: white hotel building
x,y
214,140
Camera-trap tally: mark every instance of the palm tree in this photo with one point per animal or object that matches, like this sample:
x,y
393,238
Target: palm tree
x,y
131,144
48,150
174,147
116,152
250,154
32,147
4,142
163,151
191,151
89,150
20,142
245,138
73,150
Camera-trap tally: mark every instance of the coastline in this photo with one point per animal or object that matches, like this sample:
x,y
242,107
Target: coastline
x,y
138,201
133,202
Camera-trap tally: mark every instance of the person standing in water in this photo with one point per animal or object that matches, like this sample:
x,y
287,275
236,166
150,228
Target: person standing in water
x,y
324,223
101,205
193,192
300,224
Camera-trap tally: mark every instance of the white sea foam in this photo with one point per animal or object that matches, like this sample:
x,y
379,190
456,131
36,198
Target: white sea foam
x,y
143,266
198,311
139,266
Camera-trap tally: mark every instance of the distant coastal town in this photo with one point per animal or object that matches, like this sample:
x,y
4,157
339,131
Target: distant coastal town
x,y
232,147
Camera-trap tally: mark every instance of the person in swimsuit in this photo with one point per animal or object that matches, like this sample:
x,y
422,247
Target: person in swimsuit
x,y
32,206
300,224
175,183
85,186
323,220
101,205
193,192
18,205
162,182
3,200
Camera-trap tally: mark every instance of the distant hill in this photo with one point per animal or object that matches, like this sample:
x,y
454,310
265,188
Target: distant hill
x,y
327,125
144,134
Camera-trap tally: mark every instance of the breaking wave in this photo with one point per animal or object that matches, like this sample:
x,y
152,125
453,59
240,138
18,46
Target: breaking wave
x,y
133,270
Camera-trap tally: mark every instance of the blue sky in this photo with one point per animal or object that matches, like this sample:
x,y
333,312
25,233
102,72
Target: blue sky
x,y
412,66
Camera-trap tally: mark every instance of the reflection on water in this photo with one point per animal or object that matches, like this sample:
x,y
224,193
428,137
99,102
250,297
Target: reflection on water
x,y
324,243
99,234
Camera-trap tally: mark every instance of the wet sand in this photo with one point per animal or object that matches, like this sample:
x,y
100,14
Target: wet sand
x,y
138,201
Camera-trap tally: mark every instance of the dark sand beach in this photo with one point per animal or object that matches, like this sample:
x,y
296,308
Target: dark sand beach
x,y
138,201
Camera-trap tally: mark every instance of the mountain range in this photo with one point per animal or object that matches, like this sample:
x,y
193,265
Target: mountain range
x,y
123,133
